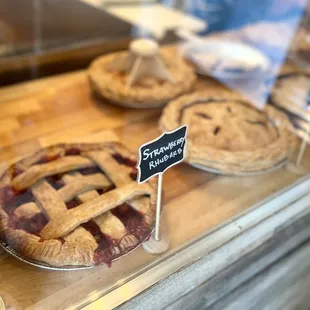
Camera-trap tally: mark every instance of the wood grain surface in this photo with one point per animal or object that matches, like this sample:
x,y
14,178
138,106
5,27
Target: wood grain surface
x,y
64,109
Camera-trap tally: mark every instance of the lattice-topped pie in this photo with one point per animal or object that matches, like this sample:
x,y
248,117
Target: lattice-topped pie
x,y
76,205
228,134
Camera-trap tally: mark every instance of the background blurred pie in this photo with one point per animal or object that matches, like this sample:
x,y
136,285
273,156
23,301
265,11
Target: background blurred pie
x,y
147,92
228,134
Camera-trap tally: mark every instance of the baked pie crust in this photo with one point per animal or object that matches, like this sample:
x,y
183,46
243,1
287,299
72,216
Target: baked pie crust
x,y
76,204
149,91
228,134
291,91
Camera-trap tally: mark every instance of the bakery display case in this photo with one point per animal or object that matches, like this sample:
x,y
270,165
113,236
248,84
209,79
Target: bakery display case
x,y
38,39
77,228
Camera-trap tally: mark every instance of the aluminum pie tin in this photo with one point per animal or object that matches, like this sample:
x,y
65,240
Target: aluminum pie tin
x,y
241,174
36,263
138,105
46,266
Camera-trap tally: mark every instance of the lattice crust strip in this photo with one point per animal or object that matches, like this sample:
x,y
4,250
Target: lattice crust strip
x,y
27,210
38,172
48,200
80,185
64,223
119,176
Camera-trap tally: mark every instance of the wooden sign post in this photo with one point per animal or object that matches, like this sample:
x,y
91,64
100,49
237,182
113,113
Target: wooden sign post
x,y
155,157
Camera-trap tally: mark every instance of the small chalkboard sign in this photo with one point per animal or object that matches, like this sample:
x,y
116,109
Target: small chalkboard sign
x,y
156,156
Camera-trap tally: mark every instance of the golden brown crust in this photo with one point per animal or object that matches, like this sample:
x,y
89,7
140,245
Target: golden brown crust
x,y
76,247
37,172
239,147
147,93
81,185
63,224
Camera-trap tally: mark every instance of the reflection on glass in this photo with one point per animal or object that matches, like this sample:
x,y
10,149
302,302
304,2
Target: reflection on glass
x,y
242,47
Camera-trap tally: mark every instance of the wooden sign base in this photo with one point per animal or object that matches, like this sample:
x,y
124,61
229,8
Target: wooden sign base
x,y
153,246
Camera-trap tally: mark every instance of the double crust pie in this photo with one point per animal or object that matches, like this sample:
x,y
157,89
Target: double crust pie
x,y
291,91
228,134
76,205
147,92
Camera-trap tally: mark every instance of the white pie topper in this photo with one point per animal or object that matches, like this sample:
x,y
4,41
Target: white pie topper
x,y
143,60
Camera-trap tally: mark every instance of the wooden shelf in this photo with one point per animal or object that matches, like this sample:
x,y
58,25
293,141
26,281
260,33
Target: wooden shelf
x,y
196,203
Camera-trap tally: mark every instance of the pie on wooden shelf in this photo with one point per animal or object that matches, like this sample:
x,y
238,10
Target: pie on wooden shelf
x,y
76,204
228,134
144,76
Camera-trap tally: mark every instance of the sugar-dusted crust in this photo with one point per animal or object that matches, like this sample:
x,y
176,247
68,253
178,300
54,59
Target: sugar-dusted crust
x,y
147,93
77,247
244,140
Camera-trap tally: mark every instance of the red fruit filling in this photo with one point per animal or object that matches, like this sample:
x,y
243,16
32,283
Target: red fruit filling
x,y
135,225
46,159
134,174
133,221
15,171
124,160
11,199
72,204
55,181
31,225
73,152
103,252
91,170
